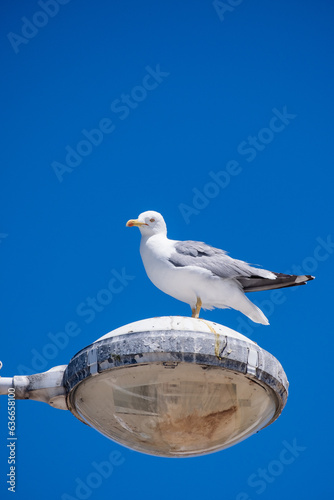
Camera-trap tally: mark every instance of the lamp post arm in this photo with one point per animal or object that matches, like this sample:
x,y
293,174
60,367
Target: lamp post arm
x,y
5,384
46,387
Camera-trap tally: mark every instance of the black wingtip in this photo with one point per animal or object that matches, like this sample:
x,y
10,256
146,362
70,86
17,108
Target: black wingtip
x,y
302,279
255,284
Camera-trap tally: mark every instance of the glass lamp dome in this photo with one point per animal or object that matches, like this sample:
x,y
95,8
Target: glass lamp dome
x,y
175,387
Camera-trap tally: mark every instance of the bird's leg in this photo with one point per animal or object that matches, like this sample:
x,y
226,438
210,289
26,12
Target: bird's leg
x,y
195,311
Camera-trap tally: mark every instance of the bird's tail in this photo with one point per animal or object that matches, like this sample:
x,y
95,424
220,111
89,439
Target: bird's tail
x,y
253,312
257,283
238,300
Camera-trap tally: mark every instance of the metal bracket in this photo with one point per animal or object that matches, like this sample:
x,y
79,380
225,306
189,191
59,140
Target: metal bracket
x,y
252,361
46,387
92,361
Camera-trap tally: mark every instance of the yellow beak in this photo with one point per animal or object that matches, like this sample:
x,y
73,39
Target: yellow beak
x,y
135,222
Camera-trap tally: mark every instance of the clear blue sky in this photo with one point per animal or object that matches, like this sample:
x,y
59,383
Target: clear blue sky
x,y
219,116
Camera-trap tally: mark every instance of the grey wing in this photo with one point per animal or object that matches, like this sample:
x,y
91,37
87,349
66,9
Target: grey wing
x,y
196,253
251,279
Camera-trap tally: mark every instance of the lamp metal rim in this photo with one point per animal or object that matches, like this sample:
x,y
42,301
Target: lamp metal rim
x,y
168,348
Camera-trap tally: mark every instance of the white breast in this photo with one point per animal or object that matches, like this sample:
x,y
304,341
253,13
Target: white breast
x,y
182,283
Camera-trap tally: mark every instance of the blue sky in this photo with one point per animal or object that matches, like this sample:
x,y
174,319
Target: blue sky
x,y
217,115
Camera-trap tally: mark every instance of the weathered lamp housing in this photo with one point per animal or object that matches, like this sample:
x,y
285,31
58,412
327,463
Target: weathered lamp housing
x,y
170,386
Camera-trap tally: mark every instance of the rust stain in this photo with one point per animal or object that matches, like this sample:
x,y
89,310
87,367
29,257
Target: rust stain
x,y
217,346
195,426
217,338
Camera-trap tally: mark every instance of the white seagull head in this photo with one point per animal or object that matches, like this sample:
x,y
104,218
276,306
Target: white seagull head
x,y
149,223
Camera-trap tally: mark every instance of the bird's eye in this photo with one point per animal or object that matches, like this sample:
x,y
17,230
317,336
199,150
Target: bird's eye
x,y
152,220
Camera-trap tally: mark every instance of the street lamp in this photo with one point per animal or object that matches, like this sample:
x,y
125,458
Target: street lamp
x,y
169,386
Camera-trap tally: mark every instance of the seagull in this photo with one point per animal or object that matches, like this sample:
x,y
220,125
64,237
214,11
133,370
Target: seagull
x,y
201,275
